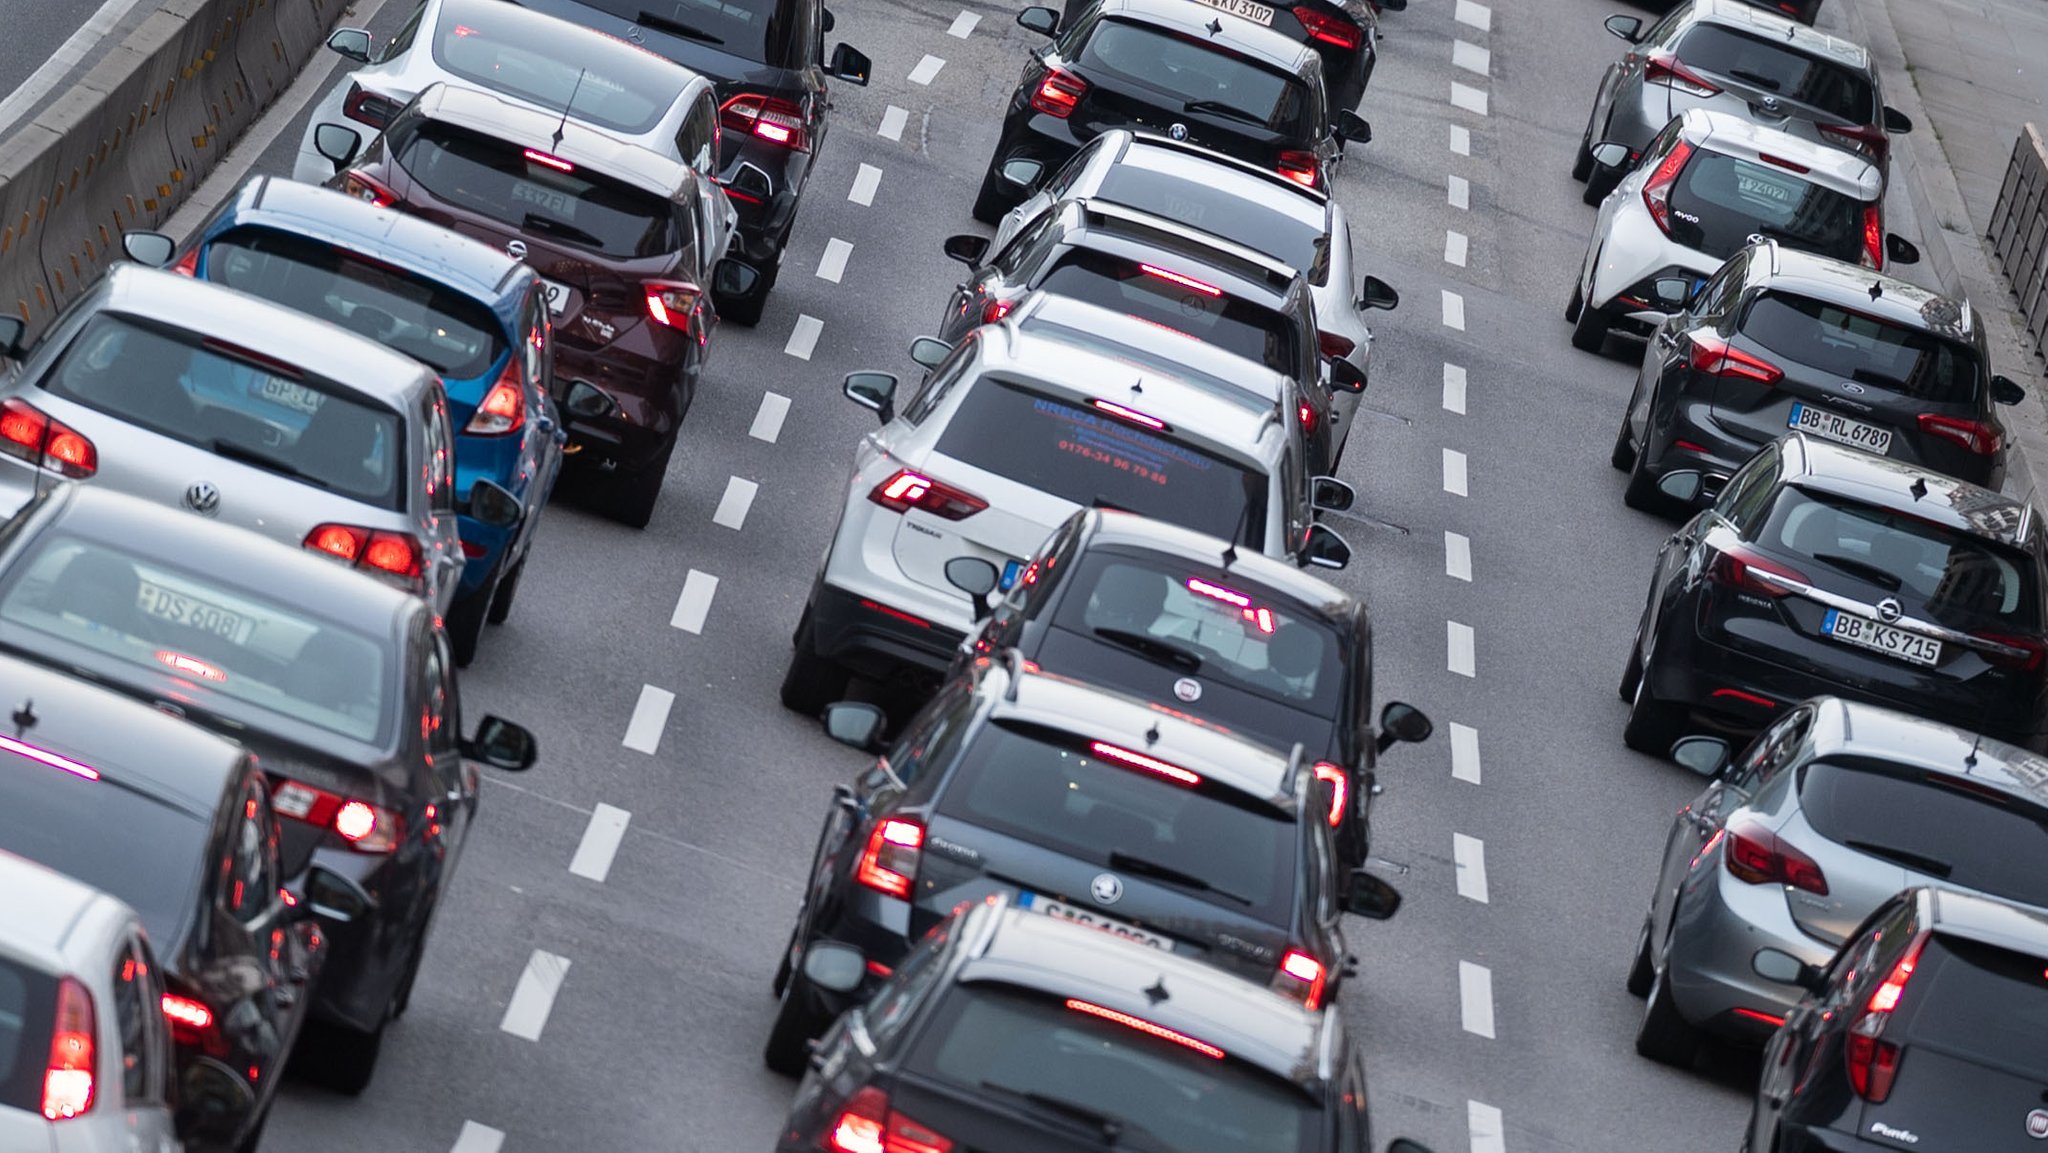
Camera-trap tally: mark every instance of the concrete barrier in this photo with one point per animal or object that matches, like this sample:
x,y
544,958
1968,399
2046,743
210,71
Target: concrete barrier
x,y
28,170
2019,230
260,51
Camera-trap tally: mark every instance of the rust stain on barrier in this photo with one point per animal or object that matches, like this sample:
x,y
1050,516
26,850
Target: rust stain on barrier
x,y
21,305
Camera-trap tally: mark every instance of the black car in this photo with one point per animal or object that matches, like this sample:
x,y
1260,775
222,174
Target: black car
x,y
1345,34
1182,70
1171,615
1784,340
1823,569
1925,1028
345,692
1088,805
767,60
177,823
1007,1030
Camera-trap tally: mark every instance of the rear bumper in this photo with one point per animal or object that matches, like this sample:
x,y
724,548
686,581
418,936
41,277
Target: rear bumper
x,y
875,640
628,407
1795,1138
364,959
765,221
1722,922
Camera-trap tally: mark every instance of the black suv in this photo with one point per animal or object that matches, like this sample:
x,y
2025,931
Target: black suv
x,y
1926,1027
1012,1031
1345,34
1784,340
767,60
1183,70
1172,615
1087,805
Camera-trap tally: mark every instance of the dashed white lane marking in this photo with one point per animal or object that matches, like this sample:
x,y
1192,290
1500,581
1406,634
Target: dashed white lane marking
x,y
963,25
534,998
695,603
1461,140
650,717
1454,472
1464,753
1469,854
804,337
1454,388
926,69
733,506
832,265
865,182
893,120
1459,190
768,418
601,837
476,1138
1477,15
1457,556
1470,57
1475,997
1455,244
1469,98
1484,1124
1454,310
1458,639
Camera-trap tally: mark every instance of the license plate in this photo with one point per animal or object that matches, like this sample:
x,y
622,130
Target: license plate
x,y
1879,637
296,397
1256,13
558,295
192,612
1094,920
1840,429
1010,572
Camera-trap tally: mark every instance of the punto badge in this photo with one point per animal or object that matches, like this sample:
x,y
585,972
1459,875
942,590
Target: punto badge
x,y
1188,689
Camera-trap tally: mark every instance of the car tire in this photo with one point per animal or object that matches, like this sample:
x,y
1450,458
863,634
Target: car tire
x,y
1642,493
501,601
1582,162
990,204
1598,184
1653,726
812,680
466,624
338,1057
746,310
1623,457
254,1137
635,493
1589,327
788,1049
1631,676
1642,973
1574,305
402,1000
1664,1036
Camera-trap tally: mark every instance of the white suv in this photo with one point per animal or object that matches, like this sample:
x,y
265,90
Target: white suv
x,y
1008,434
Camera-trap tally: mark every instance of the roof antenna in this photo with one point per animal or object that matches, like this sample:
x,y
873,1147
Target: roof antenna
x,y
1970,762
1919,488
1215,27
1876,289
573,90
1230,551
24,716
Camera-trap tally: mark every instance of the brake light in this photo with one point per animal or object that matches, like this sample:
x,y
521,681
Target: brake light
x,y
372,108
1300,976
396,553
2033,651
1307,415
867,1124
1183,281
993,310
1059,93
554,162
1340,788
1146,1027
33,435
1975,435
1871,142
188,264
192,1024
1874,1062
1788,165
775,120
367,828
187,1012
1332,345
1657,190
673,303
503,409
1218,592
1873,237
1756,856
907,490
46,757
1129,759
1304,168
1330,29
889,863
1746,571
1664,68
1131,414
190,666
1713,355
369,191
67,1078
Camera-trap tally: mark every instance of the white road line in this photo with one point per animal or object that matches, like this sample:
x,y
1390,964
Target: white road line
x,y
1458,639
1477,15
695,603
1461,140
1454,389
832,265
601,837
1464,753
804,337
1485,1126
1454,310
733,506
534,997
865,182
1454,248
893,120
768,418
926,69
1460,192
1457,556
650,717
1454,472
1469,98
963,25
1475,998
68,56
1469,853
1471,57
476,1138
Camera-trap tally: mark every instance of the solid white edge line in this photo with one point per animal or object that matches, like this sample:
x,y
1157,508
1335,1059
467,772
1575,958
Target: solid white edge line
x,y
1458,640
963,25
1488,1132
1464,753
865,182
1457,556
601,837
893,120
1459,191
650,717
832,265
1469,854
534,997
803,338
1454,310
1475,998
927,69
695,602
768,418
476,1138
1454,472
1454,388
733,506
1455,244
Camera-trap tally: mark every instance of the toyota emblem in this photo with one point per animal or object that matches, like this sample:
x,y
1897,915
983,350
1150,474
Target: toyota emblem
x,y
2037,1124
1889,609
1106,889
202,497
516,249
1178,131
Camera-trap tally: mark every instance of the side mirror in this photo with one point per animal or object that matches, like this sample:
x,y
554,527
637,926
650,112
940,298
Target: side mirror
x,y
1899,250
1405,1145
502,745
1673,293
1351,128
353,43
750,180
733,279
151,248
1403,722
929,351
1376,293
1323,548
1328,494
834,966
849,65
1394,5
1682,486
1043,21
12,330
333,897
1706,756
1629,28
1370,897
853,723
1896,121
494,504
338,143
968,249
875,390
828,22
1021,174
975,577
1786,969
1611,155
2005,391
1346,376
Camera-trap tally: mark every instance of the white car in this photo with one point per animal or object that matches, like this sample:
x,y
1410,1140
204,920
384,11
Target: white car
x,y
81,1021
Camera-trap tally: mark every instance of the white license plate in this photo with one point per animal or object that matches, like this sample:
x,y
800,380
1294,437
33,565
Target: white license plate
x,y
1840,429
1879,637
296,397
1256,13
1094,920
192,612
558,295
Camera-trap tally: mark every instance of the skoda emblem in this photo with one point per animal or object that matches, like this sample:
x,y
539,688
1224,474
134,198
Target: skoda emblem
x,y
1106,889
1178,132
2037,1124
1888,609
1188,689
202,497
1852,388
516,249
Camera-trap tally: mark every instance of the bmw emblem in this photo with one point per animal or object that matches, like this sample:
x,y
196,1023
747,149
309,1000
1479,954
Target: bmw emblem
x,y
1106,889
202,497
1178,132
1188,689
1889,609
516,249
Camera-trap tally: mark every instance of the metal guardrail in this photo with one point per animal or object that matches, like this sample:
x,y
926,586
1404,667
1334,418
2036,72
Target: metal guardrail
x,y
2019,230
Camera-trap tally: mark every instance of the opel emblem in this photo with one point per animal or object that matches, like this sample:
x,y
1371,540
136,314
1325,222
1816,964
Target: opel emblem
x,y
1188,689
1178,132
2037,1124
1106,889
1852,388
202,497
516,249
1889,609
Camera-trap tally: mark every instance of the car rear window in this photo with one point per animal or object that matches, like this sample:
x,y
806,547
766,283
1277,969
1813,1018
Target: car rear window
x,y
1988,1002
1056,795
1720,201
235,403
1202,76
581,207
1964,838
625,90
1911,362
1163,1094
1781,70
763,31
454,334
226,647
27,1011
1181,301
1304,245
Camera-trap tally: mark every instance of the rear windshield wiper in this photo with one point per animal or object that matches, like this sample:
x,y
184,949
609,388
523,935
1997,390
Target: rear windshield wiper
x,y
1113,1130
1756,78
234,450
1170,875
675,27
561,228
1862,568
1152,647
1918,862
1228,111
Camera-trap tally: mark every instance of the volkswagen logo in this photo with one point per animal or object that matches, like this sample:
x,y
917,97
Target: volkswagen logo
x,y
202,497
1106,889
1889,609
2037,1124
516,249
1178,131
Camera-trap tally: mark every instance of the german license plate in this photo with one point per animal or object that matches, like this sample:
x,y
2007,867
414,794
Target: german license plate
x,y
296,397
1256,13
1840,429
1094,920
1879,637
558,295
192,612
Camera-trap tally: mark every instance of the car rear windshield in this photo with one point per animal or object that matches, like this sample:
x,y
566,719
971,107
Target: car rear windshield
x,y
454,334
1911,362
226,647
1181,301
1990,1003
1958,834
1957,579
1002,1042
1720,201
1077,454
763,31
235,403
27,1011
1205,79
623,90
1050,793
1780,70
581,208
1304,245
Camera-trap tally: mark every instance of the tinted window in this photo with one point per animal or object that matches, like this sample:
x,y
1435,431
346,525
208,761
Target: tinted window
x,y
1184,303
1781,70
1982,1000
1962,838
624,90
1304,245
27,1006
1076,455
250,409
1719,201
764,31
222,646
1184,1100
1191,71
1909,361
1165,365
251,880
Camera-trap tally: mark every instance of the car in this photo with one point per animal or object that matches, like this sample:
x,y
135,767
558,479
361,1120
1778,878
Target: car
x,y
1781,339
242,411
1001,442
471,313
563,68
1924,1025
1346,35
1824,569
1302,228
1704,187
83,1035
1086,804
176,823
767,62
1011,1030
1804,11
344,688
1791,846
1750,62
610,226
1215,77
1244,642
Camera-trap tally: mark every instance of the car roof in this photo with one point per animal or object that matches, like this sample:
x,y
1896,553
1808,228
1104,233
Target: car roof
x,y
1121,231
1194,360
1780,29
1899,302
1836,168
2007,924
1195,164
39,909
1236,33
1823,466
579,44
514,121
1849,728
1113,528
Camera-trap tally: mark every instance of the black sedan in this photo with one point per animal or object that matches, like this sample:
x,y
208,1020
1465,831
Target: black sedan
x,y
345,692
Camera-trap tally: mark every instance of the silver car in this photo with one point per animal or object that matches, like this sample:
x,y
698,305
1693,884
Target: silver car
x,y
222,405
1828,813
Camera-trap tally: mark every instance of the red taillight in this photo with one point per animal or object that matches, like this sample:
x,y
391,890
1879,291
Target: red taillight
x,y
1129,759
554,162
1871,142
1756,856
866,1124
1059,93
187,1012
31,434
1664,68
192,1024
2033,651
1340,788
396,553
188,264
673,303
1873,237
1300,976
1874,1062
367,190
1739,568
993,310
1307,416
889,863
1146,1027
1332,345
1657,190
906,490
1131,414
1975,435
367,828
769,118
68,1078
1711,354
503,409
367,107
1329,28
1304,168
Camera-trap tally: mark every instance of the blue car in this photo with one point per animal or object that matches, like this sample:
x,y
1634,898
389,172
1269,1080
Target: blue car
x,y
473,313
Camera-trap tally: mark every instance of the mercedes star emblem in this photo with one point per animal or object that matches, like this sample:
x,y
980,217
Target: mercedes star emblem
x,y
634,34
202,497
1106,889
1178,132
1889,609
516,249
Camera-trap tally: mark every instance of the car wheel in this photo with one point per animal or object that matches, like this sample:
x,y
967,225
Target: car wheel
x,y
812,680
401,1000
1600,182
1642,493
1576,303
1589,327
990,203
1632,673
466,625
1582,162
788,1049
746,310
635,493
339,1058
1643,972
1664,1036
501,601
254,1137
1653,725
1623,456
